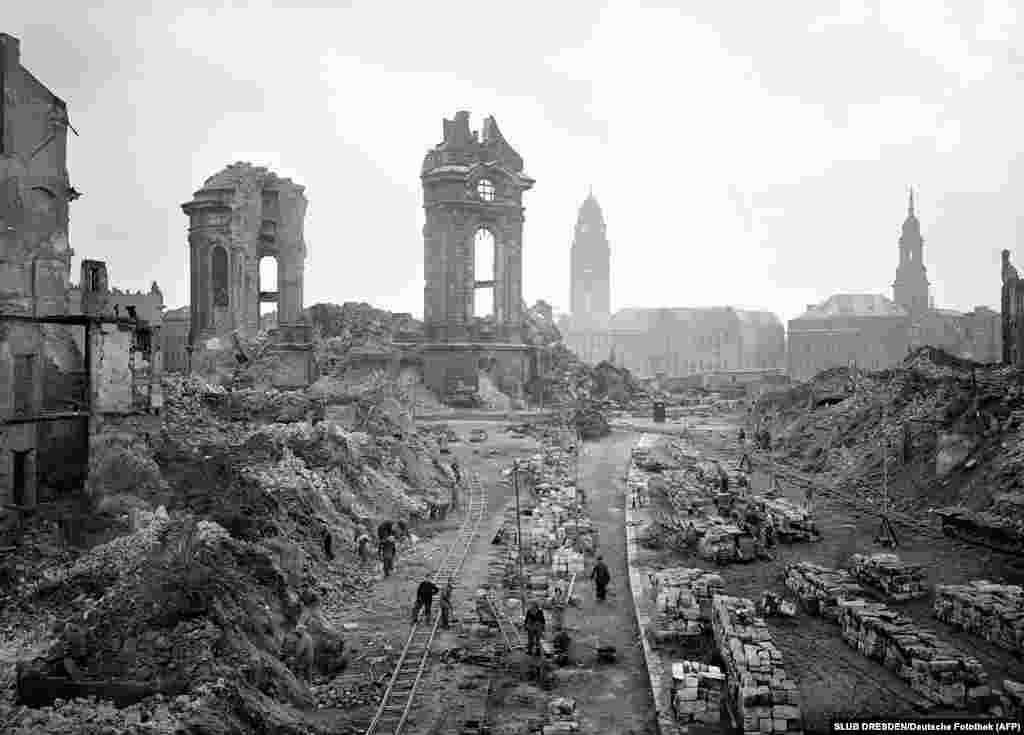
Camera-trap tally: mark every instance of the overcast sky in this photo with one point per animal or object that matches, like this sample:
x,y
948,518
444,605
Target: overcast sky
x,y
754,154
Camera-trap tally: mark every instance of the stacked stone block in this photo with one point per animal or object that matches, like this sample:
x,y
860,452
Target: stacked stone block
x,y
887,574
766,699
683,602
792,522
561,717
821,589
994,612
933,669
727,544
697,692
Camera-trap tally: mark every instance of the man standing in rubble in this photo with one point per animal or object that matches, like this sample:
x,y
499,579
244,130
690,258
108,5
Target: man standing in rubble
x,y
424,599
535,624
363,546
601,577
388,551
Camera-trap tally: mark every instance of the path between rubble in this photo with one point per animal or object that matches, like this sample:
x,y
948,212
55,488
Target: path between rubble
x,y
612,698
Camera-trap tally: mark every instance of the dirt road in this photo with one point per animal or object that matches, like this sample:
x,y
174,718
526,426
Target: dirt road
x,y
615,698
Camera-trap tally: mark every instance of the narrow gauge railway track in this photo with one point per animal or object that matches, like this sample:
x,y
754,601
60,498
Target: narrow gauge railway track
x,y
392,713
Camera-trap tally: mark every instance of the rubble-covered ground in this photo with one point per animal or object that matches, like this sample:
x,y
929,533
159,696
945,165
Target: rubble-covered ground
x,y
198,607
964,424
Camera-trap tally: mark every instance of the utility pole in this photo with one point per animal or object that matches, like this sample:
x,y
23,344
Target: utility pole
x,y
519,536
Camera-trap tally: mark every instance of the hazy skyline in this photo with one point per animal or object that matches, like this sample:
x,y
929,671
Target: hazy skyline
x,y
747,154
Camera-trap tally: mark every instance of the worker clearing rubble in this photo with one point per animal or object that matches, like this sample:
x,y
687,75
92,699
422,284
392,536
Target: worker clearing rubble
x,y
535,625
424,599
601,577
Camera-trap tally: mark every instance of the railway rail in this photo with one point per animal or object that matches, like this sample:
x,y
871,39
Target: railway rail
x,y
392,713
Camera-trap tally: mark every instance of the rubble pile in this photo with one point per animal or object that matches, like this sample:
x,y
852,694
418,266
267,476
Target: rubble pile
x,y
955,428
561,717
683,602
994,612
1012,699
821,589
697,692
896,580
766,699
933,669
792,522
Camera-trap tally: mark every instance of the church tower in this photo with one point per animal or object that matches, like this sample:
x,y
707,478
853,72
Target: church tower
x,y
910,289
590,266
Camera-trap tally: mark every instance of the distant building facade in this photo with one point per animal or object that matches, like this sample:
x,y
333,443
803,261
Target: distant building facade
x,y
682,342
876,333
867,330
586,331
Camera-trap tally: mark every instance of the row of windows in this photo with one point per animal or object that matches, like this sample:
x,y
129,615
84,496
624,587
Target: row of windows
x,y
833,348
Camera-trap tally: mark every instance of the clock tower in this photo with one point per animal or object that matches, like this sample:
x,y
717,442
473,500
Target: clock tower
x,y
590,256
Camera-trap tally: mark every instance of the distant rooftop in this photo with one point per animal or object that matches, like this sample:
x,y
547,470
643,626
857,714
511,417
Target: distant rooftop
x,y
853,304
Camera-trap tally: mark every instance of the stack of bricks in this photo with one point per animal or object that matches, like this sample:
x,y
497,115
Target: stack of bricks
x,y
766,698
683,601
994,612
792,522
933,669
726,544
885,573
697,692
821,589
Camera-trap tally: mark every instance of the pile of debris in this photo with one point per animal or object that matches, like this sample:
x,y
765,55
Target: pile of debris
x,y
792,523
994,612
820,589
561,717
896,580
683,602
697,692
956,430
933,669
726,543
766,699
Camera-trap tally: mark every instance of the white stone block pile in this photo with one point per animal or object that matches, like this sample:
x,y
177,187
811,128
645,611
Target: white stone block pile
x,y
697,692
888,574
766,699
821,589
994,612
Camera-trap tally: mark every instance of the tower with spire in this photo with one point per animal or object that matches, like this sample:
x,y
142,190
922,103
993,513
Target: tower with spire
x,y
590,268
910,289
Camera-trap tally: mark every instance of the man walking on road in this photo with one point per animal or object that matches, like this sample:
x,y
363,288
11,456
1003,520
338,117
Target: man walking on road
x,y
601,577
424,599
446,605
388,550
535,624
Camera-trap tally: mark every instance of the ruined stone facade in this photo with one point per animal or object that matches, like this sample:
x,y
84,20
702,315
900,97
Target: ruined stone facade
x,y
473,186
243,214
35,258
1013,313
471,182
866,330
587,329
683,342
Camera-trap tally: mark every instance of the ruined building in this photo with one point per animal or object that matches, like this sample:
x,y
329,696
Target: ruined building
x,y
174,339
242,215
587,330
473,186
64,378
1013,313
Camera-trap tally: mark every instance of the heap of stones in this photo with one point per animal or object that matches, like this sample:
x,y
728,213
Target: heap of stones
x,y
820,589
683,601
887,574
994,612
767,699
697,692
937,671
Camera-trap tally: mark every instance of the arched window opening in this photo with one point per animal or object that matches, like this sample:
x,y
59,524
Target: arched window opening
x,y
219,268
485,189
268,286
483,273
